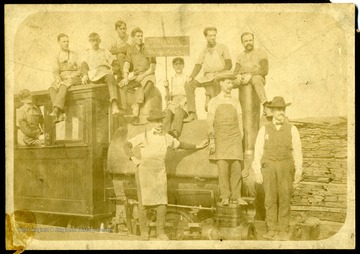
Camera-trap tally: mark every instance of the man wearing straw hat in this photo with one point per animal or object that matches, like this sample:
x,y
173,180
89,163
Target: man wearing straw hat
x,y
225,134
278,166
150,170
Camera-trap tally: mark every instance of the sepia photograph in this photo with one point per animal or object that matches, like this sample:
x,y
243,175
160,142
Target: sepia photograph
x,y
180,126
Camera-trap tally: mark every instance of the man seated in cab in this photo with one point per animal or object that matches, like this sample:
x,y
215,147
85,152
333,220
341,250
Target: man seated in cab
x,y
30,120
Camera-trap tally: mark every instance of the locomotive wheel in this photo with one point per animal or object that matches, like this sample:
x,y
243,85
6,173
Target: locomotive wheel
x,y
179,219
248,231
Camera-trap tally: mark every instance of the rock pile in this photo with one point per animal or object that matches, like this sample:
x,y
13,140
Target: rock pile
x,y
323,191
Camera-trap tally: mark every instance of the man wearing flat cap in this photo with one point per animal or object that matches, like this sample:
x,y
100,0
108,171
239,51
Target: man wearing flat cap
x,y
278,166
225,129
150,170
30,120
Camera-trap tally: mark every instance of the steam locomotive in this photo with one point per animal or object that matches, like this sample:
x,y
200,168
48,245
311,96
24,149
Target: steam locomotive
x,y
82,177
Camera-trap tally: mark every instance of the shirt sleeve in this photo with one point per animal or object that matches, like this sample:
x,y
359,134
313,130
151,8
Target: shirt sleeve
x,y
258,150
262,55
211,116
226,52
137,140
172,142
201,57
297,150
128,56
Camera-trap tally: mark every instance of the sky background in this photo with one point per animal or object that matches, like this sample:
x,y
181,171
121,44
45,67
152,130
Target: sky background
x,y
308,50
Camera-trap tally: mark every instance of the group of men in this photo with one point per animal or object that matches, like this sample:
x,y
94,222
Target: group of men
x,y
127,65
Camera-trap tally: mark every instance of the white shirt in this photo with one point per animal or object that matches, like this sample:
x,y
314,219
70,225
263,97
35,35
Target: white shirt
x,y
296,146
178,84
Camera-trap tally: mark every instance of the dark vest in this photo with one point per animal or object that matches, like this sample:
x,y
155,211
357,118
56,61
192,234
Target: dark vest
x,y
278,143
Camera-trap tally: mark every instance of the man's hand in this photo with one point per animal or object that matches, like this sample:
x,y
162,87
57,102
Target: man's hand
x,y
84,79
139,78
259,178
297,180
212,146
123,82
202,144
135,160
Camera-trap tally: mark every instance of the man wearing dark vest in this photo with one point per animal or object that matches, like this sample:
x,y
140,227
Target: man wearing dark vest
x,y
278,166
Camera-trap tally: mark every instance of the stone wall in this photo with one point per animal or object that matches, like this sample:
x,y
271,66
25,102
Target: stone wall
x,y
323,190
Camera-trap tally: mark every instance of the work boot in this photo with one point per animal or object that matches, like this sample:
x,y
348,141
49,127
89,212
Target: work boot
x,y
225,202
59,118
55,112
270,234
192,116
240,201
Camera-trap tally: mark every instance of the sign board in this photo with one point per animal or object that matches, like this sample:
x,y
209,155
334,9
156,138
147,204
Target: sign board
x,y
168,46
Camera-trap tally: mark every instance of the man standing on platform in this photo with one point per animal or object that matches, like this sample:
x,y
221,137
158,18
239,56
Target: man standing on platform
x,y
67,72
225,130
214,59
252,67
277,156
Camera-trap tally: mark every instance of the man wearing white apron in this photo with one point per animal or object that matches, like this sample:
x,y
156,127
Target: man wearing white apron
x,y
225,134
151,172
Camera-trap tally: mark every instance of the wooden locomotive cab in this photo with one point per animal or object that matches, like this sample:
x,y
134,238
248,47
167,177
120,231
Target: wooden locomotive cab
x,y
65,178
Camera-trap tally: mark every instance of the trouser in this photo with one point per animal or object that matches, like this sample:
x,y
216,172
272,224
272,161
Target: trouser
x,y
143,221
212,89
260,213
58,96
278,185
140,94
112,86
120,58
176,119
229,179
258,82
29,141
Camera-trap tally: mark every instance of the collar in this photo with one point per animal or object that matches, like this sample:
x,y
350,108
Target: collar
x,y
155,132
126,38
277,123
224,95
134,46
